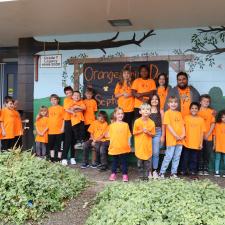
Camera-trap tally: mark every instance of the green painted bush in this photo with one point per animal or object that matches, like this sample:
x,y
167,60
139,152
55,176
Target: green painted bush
x,y
30,187
162,202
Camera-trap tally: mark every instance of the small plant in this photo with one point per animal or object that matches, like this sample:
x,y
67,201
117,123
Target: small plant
x,y
30,187
163,202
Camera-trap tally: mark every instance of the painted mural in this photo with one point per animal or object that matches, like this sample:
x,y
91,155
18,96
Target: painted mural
x,y
206,66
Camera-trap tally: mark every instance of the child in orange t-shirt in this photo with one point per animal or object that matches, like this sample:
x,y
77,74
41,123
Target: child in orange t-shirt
x,y
124,96
68,142
41,139
208,115
142,88
91,109
219,142
7,121
175,133
194,129
97,142
144,129
119,147
55,128
77,119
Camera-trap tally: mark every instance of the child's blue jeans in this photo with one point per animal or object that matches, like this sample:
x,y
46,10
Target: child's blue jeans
x,y
156,148
173,154
218,156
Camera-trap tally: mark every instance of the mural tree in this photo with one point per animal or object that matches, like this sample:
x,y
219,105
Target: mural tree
x,y
206,44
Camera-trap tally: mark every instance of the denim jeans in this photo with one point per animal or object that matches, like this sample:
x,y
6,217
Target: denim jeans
x,y
218,156
205,155
123,160
172,153
156,148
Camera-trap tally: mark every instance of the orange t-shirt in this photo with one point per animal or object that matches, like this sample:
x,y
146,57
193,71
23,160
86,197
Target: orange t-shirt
x,y
207,115
67,104
141,86
127,104
8,120
77,117
98,129
143,142
119,134
18,124
185,101
55,119
0,126
194,129
89,113
219,133
41,125
175,120
162,93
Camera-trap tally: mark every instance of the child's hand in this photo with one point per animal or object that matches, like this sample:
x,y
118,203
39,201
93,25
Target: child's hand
x,y
214,147
182,137
200,146
206,136
162,140
145,130
3,133
178,138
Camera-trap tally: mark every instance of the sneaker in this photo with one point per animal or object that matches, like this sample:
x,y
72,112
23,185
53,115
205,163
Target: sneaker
x,y
162,176
112,177
125,178
174,176
73,161
155,175
64,162
206,173
94,165
99,165
217,174
150,175
200,173
84,166
223,175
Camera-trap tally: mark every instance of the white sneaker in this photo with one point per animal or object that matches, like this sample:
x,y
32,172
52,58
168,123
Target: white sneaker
x,y
174,176
64,162
73,161
78,145
155,175
150,175
161,176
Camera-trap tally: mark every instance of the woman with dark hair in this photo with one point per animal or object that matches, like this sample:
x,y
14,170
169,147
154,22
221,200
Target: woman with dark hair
x,y
142,88
162,84
159,137
124,96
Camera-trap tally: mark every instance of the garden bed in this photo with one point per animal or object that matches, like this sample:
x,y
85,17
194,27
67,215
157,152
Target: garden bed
x,y
31,187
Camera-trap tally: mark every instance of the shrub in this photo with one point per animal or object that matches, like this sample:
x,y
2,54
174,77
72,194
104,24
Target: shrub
x,y
30,187
161,202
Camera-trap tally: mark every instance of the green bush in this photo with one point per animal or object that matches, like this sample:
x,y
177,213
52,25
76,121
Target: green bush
x,y
161,202
30,187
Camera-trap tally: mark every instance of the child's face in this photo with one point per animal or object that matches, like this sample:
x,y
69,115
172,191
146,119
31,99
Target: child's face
x,y
223,118
44,112
69,94
126,75
194,110
119,115
10,105
144,73
162,81
154,101
15,104
54,101
101,118
205,102
88,95
76,96
173,104
145,112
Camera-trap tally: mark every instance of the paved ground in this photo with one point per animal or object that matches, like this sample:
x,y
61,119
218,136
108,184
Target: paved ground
x,y
78,209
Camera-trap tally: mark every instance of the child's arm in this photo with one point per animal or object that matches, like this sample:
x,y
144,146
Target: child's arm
x,y
63,126
3,129
183,133
201,140
162,139
214,142
210,131
173,132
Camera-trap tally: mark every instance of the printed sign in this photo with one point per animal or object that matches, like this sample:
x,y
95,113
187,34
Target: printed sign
x,y
51,61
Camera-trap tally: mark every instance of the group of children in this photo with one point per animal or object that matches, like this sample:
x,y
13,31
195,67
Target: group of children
x,y
189,139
